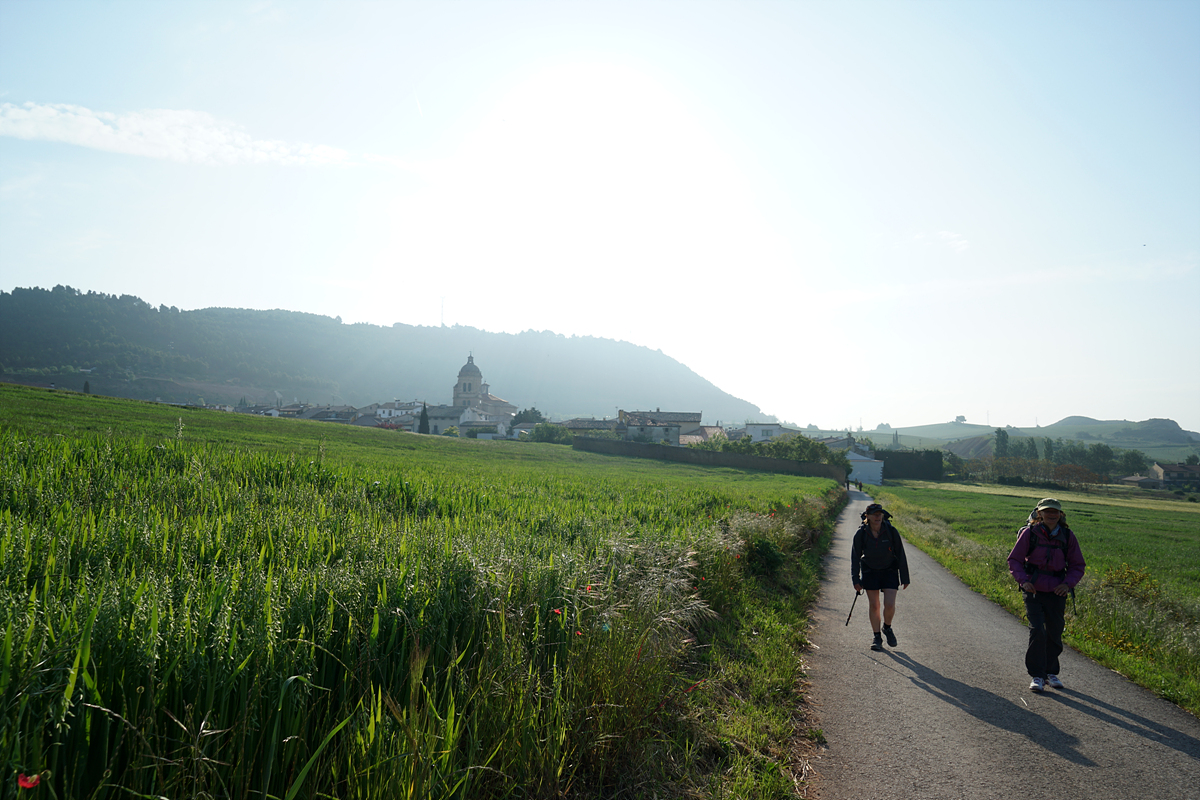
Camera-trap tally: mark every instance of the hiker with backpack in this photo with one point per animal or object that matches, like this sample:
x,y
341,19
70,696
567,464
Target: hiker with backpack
x,y
878,564
1046,563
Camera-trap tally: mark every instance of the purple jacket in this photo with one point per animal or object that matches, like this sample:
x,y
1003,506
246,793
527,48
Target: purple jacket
x,y
1038,558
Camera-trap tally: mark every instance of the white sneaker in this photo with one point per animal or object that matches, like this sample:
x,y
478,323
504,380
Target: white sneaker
x,y
1054,682
1037,685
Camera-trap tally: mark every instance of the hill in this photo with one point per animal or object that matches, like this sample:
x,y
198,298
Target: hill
x,y
226,355
1116,432
1160,439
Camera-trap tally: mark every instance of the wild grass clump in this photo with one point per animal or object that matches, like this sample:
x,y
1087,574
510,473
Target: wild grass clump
x,y
192,620
1128,612
746,716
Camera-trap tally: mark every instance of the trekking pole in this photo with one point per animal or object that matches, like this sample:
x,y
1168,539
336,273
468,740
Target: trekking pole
x,y
855,600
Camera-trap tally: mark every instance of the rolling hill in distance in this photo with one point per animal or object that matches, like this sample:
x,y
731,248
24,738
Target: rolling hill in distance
x,y
1160,439
223,355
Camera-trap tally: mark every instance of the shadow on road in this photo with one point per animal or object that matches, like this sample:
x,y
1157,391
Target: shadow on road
x,y
992,709
1127,720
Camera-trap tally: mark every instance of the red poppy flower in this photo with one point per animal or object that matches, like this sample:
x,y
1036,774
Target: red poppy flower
x,y
30,782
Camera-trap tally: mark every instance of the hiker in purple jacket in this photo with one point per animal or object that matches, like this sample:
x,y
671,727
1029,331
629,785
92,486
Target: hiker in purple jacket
x,y
1046,563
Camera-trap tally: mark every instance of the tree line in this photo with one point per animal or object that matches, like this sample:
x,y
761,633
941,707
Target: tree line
x,y
1101,459
791,448
62,330
1022,460
1043,461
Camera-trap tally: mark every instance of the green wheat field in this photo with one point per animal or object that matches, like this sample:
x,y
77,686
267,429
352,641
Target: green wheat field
x,y
198,604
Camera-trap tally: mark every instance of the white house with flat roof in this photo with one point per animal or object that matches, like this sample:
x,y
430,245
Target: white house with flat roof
x,y
865,469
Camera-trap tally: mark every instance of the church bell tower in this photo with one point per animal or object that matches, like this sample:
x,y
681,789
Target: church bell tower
x,y
470,389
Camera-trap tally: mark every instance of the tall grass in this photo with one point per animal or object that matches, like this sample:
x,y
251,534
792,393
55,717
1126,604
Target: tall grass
x,y
189,620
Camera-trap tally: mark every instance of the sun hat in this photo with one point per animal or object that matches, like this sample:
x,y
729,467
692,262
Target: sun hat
x,y
876,507
1049,502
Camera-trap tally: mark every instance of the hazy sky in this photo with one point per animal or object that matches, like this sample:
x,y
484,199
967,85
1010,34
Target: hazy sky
x,y
844,212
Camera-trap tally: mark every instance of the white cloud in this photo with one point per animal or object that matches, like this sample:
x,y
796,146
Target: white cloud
x,y
955,241
184,136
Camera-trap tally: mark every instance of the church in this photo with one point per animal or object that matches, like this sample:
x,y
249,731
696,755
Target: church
x,y
474,405
472,392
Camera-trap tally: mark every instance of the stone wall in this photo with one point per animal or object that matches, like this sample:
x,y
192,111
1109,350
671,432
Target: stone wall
x,y
708,458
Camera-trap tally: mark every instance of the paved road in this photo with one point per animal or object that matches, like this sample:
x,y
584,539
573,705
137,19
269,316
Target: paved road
x,y
947,714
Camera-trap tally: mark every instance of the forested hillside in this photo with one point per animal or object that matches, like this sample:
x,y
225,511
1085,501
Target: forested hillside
x,y
132,349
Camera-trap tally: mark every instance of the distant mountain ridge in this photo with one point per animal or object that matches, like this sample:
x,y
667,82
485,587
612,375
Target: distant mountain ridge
x,y
1160,438
225,355
1074,427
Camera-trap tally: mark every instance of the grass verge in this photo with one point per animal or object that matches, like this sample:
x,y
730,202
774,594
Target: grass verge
x,y
749,719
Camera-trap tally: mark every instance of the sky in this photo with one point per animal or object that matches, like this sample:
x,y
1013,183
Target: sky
x,y
848,213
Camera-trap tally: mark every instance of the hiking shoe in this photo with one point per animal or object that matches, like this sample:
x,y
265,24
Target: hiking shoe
x,y
1037,685
877,644
891,637
1054,682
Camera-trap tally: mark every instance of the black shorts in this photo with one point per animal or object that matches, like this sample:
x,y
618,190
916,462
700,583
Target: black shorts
x,y
880,579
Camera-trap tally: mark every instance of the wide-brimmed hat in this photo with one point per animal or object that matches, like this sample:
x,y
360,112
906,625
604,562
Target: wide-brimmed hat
x,y
1049,502
876,507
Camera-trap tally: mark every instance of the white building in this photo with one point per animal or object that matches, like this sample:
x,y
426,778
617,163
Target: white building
x,y
474,417
865,469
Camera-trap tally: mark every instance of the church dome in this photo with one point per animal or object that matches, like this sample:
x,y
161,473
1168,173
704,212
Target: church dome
x,y
469,369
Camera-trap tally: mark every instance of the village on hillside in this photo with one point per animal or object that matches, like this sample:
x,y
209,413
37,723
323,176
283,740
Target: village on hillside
x,y
475,412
